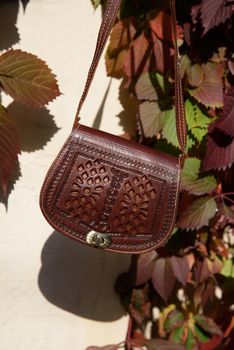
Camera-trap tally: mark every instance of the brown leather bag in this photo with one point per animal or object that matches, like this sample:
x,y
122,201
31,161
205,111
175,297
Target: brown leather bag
x,y
111,193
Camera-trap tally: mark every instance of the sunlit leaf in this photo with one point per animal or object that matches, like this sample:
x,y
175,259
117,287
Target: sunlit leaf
x,y
161,23
121,35
210,91
9,149
27,79
190,180
145,89
137,57
195,75
163,278
228,268
197,214
151,117
114,65
163,54
169,130
197,120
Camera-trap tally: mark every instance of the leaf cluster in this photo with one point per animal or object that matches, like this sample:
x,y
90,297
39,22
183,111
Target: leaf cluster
x,y
27,79
182,292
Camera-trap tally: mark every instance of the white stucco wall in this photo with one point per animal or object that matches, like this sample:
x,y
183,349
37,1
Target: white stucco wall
x,y
54,293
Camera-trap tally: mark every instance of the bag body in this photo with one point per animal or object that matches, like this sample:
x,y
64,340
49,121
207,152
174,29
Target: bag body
x,y
124,193
108,192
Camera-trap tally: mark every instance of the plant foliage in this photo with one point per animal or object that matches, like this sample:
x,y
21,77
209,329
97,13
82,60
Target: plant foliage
x,y
27,79
177,289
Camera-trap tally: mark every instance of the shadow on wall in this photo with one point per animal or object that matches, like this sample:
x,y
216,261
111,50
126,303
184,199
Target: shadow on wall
x,y
81,279
8,15
35,127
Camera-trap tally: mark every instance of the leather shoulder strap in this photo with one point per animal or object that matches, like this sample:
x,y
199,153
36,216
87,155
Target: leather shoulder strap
x,y
112,8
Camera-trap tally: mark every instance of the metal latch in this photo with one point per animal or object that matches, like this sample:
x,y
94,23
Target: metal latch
x,y
98,240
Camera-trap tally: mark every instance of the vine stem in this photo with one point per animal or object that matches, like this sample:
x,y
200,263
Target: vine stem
x,y
129,332
225,195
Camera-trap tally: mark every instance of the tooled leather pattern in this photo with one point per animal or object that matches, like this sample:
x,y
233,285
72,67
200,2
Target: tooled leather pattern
x,y
92,172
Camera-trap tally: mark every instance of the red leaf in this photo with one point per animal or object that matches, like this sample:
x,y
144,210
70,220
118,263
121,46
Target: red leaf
x,y
162,54
208,324
137,57
145,266
212,344
162,344
204,292
27,78
198,214
163,278
201,271
161,24
181,268
9,148
175,319
210,91
121,35
226,122
214,13
220,150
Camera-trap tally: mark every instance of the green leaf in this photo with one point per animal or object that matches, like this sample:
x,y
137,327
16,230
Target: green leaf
x,y
177,335
198,214
9,148
190,342
161,344
207,324
153,87
169,130
27,79
174,320
151,118
228,268
201,337
145,89
190,181
197,121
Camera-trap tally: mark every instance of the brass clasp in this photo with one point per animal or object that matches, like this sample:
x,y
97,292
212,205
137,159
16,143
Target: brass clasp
x,y
98,240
